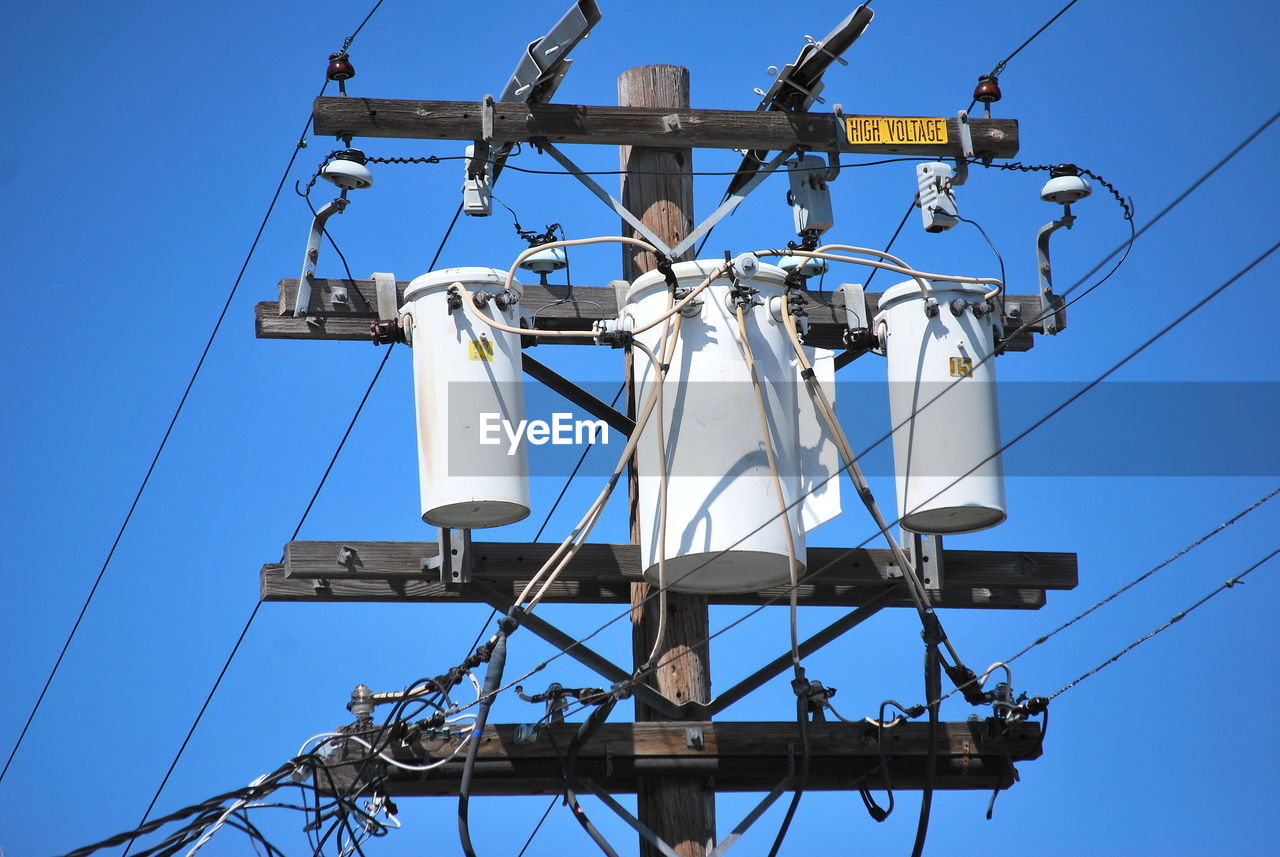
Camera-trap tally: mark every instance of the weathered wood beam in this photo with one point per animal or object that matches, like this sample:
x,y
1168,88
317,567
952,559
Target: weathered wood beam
x,y
741,757
602,574
350,320
635,126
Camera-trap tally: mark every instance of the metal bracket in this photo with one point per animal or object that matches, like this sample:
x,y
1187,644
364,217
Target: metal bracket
x,y
1051,305
605,197
480,151
926,552
314,239
388,301
454,558
966,149
731,202
783,662
578,396
579,651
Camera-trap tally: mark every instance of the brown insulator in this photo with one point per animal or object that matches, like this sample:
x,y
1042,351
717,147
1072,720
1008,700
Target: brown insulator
x,y
340,67
988,89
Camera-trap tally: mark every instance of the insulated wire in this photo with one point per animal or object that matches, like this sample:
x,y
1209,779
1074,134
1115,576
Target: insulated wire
x,y
767,433
660,635
851,466
164,440
565,552
893,238
565,488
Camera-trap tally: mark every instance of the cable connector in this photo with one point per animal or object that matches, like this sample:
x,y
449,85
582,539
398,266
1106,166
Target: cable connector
x,y
386,331
663,267
616,338
966,681
1035,705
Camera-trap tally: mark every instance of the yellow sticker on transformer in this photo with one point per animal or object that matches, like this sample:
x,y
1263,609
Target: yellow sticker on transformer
x,y
895,130
481,350
961,367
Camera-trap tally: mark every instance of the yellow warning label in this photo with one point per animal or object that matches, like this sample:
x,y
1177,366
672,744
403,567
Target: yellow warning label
x,y
480,350
895,130
961,367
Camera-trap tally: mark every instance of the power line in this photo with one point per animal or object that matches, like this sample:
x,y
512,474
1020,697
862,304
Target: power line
x,y
254,613
1139,579
1178,199
1145,575
164,440
1178,617
901,223
1000,66
538,826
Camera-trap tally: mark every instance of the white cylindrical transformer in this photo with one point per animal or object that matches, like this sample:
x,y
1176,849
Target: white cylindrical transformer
x,y
942,399
725,531
468,389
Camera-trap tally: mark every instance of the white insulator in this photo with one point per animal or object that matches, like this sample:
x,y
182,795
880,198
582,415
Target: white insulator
x,y
942,394
468,384
724,521
348,175
806,266
544,261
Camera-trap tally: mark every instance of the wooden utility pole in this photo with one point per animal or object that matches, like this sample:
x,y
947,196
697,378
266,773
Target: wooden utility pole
x,y
671,754
657,186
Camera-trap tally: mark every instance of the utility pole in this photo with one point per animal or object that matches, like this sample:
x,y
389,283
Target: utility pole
x,y
657,186
673,757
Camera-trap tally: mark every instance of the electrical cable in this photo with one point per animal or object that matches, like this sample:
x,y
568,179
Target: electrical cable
x,y
999,258
932,688
538,826
1223,161
1044,638
561,557
744,342
802,776
164,440
492,681
445,239
824,168
254,613
582,458
1178,617
1000,66
901,223
660,635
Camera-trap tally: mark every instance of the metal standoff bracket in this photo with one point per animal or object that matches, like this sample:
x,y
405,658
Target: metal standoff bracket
x,y
454,558
314,238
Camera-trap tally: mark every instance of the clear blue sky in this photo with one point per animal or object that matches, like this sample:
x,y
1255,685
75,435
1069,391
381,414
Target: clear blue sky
x,y
144,142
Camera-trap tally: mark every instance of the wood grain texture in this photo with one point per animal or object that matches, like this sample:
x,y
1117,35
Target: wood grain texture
x,y
634,124
350,321
603,574
740,756
657,185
